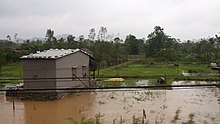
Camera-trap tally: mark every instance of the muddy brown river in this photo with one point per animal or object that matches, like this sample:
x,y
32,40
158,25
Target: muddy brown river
x,y
179,105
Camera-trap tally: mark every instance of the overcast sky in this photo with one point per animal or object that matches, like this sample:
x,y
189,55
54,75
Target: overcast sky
x,y
183,19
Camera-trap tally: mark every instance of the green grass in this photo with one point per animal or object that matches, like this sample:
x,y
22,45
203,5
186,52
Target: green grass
x,y
12,70
137,70
199,68
147,71
140,70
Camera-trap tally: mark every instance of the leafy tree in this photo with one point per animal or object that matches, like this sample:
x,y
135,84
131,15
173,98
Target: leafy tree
x,y
33,46
131,43
117,40
161,46
134,46
2,59
9,37
92,34
141,45
70,38
15,37
49,35
102,34
98,51
81,38
167,55
156,41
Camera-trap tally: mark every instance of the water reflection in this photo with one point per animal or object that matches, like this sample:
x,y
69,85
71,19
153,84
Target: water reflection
x,y
7,114
160,106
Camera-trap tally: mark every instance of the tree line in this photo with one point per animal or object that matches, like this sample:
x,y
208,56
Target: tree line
x,y
112,50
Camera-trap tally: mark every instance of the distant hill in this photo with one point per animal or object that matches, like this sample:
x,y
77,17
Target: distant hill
x,y
37,38
62,36
21,40
44,39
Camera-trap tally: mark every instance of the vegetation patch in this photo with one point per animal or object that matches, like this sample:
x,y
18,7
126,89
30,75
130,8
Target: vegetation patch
x,y
169,71
11,71
84,120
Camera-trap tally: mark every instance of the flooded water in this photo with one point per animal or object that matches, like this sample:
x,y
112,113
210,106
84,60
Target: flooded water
x,y
199,105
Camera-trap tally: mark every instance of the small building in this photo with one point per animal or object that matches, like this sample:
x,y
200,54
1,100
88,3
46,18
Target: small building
x,y
58,68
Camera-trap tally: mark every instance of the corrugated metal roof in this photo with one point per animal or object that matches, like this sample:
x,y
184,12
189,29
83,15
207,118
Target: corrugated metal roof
x,y
52,54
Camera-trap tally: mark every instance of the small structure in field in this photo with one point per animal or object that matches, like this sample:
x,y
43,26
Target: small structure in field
x,y
58,68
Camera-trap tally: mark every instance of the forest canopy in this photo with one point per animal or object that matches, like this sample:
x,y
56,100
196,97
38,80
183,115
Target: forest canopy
x,y
112,50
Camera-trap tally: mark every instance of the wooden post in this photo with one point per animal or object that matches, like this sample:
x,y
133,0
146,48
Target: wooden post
x,y
13,105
